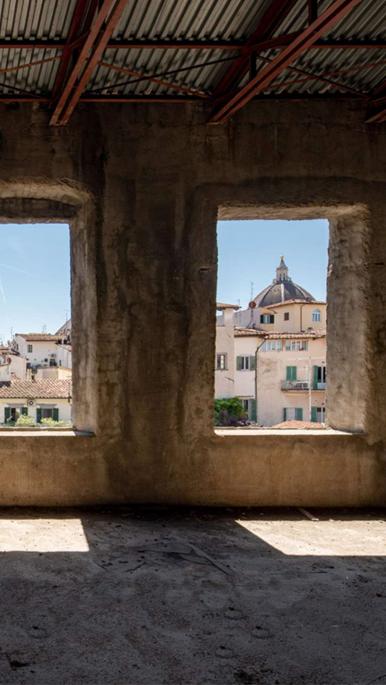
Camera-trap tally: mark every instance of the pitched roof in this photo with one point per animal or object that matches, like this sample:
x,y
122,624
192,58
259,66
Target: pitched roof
x,y
223,305
40,337
248,332
301,425
240,332
286,303
43,389
296,336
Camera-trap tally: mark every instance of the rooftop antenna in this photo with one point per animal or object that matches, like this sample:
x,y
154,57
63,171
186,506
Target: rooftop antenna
x,y
252,289
44,328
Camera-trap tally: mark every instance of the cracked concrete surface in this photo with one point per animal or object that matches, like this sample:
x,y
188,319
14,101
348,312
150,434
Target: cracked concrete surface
x,y
158,597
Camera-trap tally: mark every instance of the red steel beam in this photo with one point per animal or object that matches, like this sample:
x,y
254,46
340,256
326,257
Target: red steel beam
x,y
307,39
268,23
92,49
377,105
81,20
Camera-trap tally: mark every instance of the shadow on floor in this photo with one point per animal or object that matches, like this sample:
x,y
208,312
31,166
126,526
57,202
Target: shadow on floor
x,y
189,597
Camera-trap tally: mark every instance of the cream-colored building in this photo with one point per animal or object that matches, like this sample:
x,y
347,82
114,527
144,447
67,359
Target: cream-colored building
x,y
273,355
12,366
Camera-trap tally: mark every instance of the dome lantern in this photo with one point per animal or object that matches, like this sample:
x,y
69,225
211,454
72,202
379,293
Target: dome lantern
x,y
282,271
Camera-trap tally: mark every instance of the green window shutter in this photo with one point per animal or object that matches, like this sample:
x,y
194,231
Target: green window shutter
x,y
298,414
314,416
7,414
252,363
253,410
38,415
284,414
239,363
315,377
271,318
55,414
24,411
291,373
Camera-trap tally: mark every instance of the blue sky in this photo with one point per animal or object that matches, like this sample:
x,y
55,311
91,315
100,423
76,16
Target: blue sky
x,y
35,267
34,277
250,251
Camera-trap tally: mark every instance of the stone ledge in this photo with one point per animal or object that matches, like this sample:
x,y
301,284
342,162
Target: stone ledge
x,y
264,432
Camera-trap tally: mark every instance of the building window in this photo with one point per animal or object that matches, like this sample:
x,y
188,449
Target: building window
x,y
221,362
29,349
271,345
291,373
318,414
296,345
12,414
316,314
293,413
319,377
267,318
286,316
47,413
250,408
246,363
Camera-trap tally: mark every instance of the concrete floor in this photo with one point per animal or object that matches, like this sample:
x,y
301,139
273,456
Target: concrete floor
x,y
148,596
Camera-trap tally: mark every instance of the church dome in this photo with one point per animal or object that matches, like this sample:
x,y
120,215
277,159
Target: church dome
x,y
282,289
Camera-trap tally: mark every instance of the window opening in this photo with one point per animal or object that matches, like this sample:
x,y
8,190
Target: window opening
x,y
221,362
274,334
35,326
316,315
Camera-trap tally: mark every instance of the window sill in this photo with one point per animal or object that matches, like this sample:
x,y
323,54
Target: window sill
x,y
264,432
45,432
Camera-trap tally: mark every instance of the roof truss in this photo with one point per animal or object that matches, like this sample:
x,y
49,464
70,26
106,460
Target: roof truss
x,y
305,40
92,49
90,45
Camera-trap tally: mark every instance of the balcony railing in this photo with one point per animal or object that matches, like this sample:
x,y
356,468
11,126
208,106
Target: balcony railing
x,y
301,386
295,385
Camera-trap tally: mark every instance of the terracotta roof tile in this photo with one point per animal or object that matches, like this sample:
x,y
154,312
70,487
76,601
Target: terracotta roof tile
x,y
43,389
301,425
40,337
224,305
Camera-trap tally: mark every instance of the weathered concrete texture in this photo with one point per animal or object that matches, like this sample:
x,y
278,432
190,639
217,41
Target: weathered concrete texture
x,y
144,186
155,598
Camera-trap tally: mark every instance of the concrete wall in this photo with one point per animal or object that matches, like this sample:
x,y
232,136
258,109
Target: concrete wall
x,y
142,187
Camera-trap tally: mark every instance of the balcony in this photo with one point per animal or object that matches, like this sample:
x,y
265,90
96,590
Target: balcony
x,y
301,386
297,386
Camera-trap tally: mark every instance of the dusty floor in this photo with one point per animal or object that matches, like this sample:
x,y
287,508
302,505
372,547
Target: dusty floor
x,y
134,596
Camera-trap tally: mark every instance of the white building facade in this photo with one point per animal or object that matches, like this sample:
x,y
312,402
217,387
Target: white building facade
x,y
46,399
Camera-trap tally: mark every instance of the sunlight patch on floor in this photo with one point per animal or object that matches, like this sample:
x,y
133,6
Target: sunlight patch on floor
x,y
322,538
42,535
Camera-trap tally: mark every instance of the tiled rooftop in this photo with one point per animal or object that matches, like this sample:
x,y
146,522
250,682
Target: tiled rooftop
x,y
40,337
43,389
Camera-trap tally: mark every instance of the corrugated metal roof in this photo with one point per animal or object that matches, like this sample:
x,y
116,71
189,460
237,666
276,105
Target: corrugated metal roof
x,y
197,71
